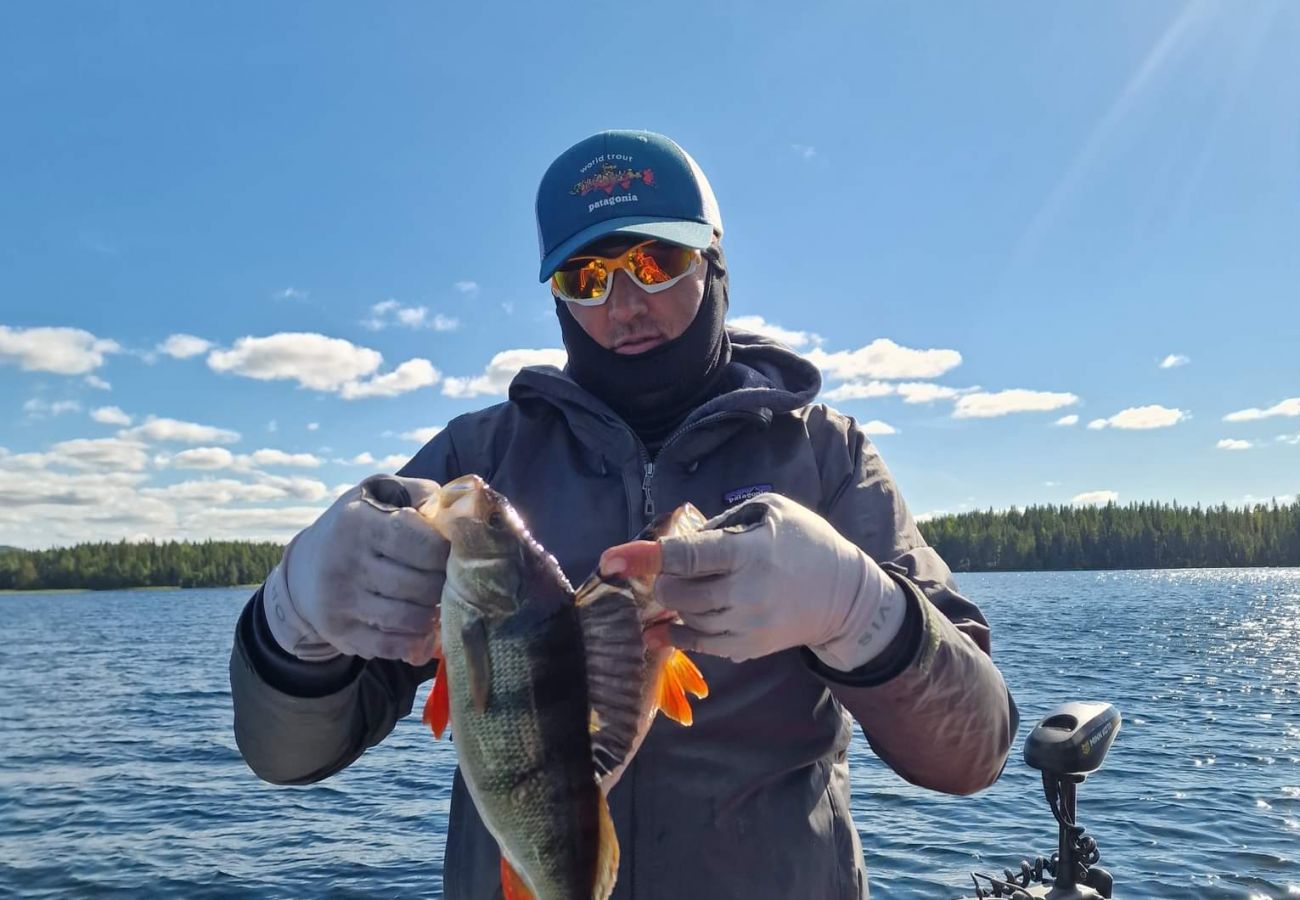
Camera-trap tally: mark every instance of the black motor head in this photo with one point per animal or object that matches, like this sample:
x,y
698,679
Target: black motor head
x,y
1073,738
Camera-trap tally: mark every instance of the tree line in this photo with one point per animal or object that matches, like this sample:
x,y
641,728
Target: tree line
x,y
104,566
1136,536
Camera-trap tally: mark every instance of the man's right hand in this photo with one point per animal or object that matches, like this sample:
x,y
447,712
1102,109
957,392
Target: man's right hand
x,y
365,579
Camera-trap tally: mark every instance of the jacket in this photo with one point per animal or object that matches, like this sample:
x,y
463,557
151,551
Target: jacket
x,y
751,801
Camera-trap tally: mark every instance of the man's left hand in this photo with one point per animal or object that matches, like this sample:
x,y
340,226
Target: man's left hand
x,y
766,576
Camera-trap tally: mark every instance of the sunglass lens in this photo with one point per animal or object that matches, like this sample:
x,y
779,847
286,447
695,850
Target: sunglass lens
x,y
583,280
657,262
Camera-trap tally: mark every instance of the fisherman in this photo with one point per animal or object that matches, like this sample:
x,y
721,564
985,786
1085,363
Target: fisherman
x,y
811,601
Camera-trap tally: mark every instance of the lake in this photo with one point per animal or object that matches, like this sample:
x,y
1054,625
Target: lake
x,y
120,776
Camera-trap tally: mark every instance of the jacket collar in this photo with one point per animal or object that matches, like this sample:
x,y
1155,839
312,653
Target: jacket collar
x,y
764,378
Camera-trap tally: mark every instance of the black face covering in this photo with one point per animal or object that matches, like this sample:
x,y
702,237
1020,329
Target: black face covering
x,y
654,391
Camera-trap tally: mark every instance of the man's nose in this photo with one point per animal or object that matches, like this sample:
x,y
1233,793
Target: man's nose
x,y
626,300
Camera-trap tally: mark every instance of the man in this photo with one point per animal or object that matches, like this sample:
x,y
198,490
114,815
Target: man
x,y
812,602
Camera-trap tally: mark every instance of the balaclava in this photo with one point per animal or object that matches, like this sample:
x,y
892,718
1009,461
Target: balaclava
x,y
654,391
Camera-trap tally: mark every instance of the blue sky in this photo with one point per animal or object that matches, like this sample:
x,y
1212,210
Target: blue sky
x,y
979,219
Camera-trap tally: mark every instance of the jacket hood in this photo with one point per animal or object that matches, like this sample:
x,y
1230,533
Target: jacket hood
x,y
764,378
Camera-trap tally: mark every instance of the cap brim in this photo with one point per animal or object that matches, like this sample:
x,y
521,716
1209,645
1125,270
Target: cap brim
x,y
689,234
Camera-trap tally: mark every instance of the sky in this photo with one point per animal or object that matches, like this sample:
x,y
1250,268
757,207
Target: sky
x,y
252,253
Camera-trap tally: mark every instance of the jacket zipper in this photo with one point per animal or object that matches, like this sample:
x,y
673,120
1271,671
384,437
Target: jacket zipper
x,y
646,487
648,467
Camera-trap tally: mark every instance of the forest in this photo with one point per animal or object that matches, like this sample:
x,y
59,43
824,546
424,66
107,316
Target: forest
x,y
103,566
1136,536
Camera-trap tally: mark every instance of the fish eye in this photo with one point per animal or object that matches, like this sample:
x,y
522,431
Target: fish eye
x,y
495,520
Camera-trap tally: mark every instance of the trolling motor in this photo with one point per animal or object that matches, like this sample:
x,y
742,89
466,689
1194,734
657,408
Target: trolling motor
x,y
1066,746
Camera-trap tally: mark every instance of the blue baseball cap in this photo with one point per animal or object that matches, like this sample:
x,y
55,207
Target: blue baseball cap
x,y
623,182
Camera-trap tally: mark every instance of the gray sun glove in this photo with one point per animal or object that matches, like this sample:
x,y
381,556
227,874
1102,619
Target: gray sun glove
x,y
769,575
365,579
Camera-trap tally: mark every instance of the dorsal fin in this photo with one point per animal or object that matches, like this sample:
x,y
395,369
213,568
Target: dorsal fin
x,y
611,632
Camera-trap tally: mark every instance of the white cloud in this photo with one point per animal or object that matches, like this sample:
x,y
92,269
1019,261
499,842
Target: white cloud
x,y
1293,439
183,346
269,457
106,497
98,383
62,351
883,358
910,391
159,430
500,371
18,489
409,376
930,516
314,361
1174,360
422,435
392,462
216,492
1095,498
1290,407
203,458
875,426
1233,444
759,325
295,487
313,426
859,390
390,312
467,287
926,392
984,405
37,408
254,523
110,415
290,293
1067,420
111,454
1141,418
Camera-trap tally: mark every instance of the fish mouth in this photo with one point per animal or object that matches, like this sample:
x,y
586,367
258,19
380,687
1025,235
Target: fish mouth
x,y
458,499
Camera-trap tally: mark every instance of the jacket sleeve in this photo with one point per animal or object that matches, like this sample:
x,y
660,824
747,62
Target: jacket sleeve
x,y
937,709
297,722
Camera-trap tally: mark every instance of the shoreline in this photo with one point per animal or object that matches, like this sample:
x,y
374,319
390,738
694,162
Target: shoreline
x,y
252,587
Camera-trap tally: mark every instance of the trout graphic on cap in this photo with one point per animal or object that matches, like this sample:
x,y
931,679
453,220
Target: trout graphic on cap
x,y
623,182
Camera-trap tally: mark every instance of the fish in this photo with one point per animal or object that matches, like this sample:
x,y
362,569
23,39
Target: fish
x,y
548,691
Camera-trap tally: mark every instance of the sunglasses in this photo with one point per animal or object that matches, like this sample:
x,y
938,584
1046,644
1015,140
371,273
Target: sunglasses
x,y
654,265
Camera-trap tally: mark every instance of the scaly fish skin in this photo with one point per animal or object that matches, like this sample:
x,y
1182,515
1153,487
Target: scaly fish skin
x,y
512,646
549,693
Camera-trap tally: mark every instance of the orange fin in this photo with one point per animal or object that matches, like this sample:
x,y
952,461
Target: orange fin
x,y
437,709
512,885
607,853
679,677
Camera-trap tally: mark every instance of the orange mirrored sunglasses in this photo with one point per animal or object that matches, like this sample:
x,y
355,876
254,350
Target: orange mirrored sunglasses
x,y
654,266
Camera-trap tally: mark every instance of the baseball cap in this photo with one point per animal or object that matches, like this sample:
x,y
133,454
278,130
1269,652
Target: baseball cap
x,y
623,182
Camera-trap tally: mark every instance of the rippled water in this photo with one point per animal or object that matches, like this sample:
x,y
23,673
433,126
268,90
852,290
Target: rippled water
x,y
119,775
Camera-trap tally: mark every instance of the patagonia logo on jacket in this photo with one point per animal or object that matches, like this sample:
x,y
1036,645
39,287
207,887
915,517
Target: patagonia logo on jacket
x,y
740,495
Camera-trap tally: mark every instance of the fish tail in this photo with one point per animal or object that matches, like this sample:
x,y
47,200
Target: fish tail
x,y
437,709
607,855
678,678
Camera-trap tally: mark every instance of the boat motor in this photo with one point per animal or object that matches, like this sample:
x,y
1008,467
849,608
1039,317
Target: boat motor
x,y
1066,746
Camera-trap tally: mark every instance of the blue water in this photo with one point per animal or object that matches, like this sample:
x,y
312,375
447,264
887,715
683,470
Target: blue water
x,y
119,776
